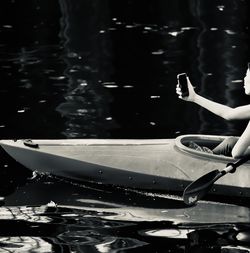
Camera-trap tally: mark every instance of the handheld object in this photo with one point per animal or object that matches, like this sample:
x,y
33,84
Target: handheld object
x,y
182,80
200,187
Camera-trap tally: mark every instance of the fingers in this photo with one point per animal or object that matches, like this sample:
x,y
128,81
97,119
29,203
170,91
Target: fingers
x,y
178,91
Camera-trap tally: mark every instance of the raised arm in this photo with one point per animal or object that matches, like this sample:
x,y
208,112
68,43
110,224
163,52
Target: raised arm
x,y
226,112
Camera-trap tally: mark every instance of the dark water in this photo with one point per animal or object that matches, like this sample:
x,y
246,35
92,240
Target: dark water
x,y
107,69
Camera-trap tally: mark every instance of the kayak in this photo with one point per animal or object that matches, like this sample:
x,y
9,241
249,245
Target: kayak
x,y
167,165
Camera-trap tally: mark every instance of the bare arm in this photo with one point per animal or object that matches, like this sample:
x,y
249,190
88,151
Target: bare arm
x,y
226,112
242,147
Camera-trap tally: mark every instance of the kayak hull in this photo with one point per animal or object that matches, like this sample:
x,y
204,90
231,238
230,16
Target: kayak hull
x,y
156,165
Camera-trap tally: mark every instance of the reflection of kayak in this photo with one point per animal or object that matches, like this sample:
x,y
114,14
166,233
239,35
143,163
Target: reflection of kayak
x,y
120,205
159,164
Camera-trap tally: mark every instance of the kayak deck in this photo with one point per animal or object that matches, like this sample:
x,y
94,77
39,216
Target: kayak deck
x,y
161,164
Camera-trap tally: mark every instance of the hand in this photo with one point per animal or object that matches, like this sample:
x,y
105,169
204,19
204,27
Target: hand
x,y
191,91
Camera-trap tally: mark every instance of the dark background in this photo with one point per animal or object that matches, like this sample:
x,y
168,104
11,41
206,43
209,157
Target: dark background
x,y
107,69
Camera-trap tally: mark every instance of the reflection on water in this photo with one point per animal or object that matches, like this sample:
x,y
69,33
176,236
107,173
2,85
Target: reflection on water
x,y
87,62
24,244
63,229
77,218
222,65
113,74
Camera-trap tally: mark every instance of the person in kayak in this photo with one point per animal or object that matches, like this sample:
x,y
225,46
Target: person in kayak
x,y
236,147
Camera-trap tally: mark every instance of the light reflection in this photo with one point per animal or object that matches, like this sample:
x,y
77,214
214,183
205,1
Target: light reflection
x,y
116,244
32,214
57,78
130,26
42,101
230,32
158,52
7,26
237,81
105,247
221,7
235,249
175,33
128,86
25,57
21,111
88,59
220,49
24,244
110,86
177,233
188,28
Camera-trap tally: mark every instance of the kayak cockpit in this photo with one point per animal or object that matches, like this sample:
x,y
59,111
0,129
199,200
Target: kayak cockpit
x,y
205,144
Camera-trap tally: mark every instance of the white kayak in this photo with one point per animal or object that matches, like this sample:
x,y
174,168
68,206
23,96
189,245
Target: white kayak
x,y
154,164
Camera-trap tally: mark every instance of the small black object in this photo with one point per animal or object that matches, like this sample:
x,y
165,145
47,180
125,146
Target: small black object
x,y
182,80
30,144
